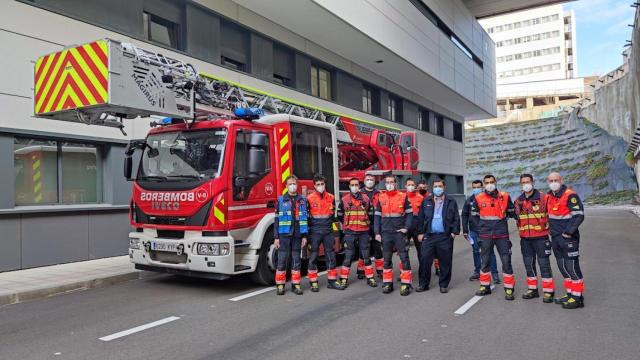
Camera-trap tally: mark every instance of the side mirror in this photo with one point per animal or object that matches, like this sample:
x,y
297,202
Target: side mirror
x,y
128,166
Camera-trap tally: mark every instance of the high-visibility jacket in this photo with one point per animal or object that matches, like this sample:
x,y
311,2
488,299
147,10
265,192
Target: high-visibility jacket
x,y
373,197
415,199
321,212
532,217
566,212
393,212
289,211
493,211
354,210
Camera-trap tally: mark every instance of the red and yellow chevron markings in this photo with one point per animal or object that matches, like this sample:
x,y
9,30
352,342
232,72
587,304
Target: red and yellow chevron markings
x,y
285,158
72,78
218,208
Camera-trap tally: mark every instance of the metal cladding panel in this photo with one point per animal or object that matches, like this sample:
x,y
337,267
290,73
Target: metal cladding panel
x,y
73,78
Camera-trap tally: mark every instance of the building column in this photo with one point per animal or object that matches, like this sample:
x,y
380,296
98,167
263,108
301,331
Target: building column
x,y
529,102
556,99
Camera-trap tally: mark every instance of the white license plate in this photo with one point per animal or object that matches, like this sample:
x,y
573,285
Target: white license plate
x,y
160,246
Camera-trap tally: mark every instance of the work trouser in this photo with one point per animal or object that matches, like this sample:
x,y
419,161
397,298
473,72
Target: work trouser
x,y
395,241
356,243
540,248
440,246
477,261
290,247
327,240
567,254
504,250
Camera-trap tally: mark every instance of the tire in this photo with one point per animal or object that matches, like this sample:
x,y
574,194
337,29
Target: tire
x,y
264,274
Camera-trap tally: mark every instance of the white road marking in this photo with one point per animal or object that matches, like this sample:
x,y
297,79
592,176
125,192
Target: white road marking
x,y
139,328
261,291
464,308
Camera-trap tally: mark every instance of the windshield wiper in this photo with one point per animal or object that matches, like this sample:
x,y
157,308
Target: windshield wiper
x,y
185,176
154,177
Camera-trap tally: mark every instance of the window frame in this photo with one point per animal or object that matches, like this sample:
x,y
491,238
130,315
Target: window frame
x,y
173,28
316,70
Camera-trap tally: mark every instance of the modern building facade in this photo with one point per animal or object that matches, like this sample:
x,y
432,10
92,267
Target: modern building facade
x,y
534,45
423,65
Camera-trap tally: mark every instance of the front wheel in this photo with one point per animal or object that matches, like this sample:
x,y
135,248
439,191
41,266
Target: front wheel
x,y
265,270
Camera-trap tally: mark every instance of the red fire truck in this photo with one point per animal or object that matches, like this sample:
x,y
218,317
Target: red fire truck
x,y
206,179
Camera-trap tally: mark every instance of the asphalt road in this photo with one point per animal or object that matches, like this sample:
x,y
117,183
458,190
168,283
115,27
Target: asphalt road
x,y
359,323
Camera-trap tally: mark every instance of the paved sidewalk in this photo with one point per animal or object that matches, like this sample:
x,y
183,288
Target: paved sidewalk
x,y
22,285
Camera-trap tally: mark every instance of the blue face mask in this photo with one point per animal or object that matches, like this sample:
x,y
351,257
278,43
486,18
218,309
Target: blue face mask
x,y
477,191
438,191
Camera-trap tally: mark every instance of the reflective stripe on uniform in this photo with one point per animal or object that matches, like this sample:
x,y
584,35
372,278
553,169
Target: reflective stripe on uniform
x,y
490,218
560,217
393,215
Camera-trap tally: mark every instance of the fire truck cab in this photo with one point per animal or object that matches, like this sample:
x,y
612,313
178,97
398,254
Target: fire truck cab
x,y
204,196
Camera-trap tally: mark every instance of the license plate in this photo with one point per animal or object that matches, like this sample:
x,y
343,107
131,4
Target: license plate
x,y
160,246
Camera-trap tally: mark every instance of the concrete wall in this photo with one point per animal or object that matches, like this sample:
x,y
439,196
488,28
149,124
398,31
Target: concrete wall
x,y
591,160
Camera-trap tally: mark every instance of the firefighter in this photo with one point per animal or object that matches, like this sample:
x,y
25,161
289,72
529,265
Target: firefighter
x,y
415,199
321,216
375,247
393,218
290,236
566,213
439,224
470,232
423,189
493,208
353,210
533,226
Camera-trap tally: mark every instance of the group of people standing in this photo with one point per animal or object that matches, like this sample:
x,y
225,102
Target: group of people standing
x,y
376,224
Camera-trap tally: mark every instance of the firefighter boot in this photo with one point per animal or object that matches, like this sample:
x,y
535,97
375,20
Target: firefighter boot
x,y
344,282
280,289
574,302
547,298
387,288
484,290
508,294
314,286
405,289
530,294
296,289
562,300
334,284
372,282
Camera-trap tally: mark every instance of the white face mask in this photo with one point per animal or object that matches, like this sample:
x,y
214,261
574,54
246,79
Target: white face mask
x,y
390,187
320,188
354,189
292,188
411,188
490,187
554,186
527,187
369,184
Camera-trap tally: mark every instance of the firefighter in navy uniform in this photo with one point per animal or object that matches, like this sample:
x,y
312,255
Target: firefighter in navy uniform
x,y
353,212
393,218
321,217
290,231
566,213
533,226
375,247
493,208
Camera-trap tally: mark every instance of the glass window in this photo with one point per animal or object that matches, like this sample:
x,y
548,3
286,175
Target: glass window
x,y
81,173
439,130
283,65
251,161
312,152
183,155
161,30
457,131
321,82
234,46
35,164
392,108
366,100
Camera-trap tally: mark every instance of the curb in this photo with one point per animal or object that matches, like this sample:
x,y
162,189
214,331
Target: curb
x,y
39,293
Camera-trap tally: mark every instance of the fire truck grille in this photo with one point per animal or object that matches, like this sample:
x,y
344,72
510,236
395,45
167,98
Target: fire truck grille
x,y
167,220
168,257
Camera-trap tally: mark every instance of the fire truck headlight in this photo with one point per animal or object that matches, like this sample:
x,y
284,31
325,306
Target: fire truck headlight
x,y
213,249
134,243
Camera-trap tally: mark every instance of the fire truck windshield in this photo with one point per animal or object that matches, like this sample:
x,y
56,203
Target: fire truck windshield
x,y
183,155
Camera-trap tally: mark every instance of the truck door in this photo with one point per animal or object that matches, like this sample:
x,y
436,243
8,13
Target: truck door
x,y
409,150
252,179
